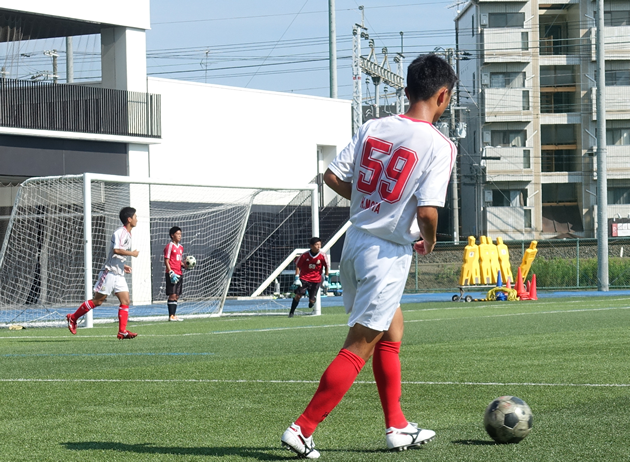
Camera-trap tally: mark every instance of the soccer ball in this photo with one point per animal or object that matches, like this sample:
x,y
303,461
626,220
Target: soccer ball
x,y
508,419
190,262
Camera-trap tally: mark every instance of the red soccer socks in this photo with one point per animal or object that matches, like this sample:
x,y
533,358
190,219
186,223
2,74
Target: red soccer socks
x,y
335,382
386,366
84,308
123,316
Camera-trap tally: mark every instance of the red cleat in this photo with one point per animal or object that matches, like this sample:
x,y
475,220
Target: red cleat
x,y
126,334
72,324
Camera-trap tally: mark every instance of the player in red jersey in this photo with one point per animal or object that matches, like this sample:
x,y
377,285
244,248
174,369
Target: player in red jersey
x,y
308,274
112,276
174,263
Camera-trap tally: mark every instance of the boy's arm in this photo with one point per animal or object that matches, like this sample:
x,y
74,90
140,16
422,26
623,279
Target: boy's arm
x,y
343,188
427,221
168,265
127,253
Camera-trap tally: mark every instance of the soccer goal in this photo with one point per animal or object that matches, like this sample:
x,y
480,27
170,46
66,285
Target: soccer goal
x,y
58,237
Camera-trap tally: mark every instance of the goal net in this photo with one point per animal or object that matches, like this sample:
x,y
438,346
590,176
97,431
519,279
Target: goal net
x,y
59,233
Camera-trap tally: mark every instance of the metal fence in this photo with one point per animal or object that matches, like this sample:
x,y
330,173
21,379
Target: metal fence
x,y
565,264
78,108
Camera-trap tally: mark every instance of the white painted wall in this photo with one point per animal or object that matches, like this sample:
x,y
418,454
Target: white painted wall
x,y
133,13
241,137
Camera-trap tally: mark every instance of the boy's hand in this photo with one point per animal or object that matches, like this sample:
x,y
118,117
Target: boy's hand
x,y
326,282
423,247
127,269
135,253
297,281
174,277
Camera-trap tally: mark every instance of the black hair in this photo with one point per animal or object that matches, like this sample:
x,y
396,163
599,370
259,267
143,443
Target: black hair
x,y
426,75
125,214
173,230
314,240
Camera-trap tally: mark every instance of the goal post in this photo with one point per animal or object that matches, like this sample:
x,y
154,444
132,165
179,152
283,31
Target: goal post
x,y
59,235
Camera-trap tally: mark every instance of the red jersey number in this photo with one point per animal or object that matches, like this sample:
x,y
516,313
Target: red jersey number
x,y
390,178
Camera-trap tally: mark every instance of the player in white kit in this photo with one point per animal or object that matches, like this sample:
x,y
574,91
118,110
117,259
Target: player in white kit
x,y
395,172
112,277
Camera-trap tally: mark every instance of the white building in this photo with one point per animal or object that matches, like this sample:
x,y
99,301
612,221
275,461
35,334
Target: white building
x,y
528,166
150,127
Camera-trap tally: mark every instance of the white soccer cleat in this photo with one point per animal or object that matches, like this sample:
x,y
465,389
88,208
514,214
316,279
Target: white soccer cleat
x,y
400,439
293,440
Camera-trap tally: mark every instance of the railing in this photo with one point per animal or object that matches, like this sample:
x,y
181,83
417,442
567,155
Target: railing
x,y
560,264
77,108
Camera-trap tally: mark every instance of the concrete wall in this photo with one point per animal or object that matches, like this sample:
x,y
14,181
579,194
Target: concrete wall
x,y
236,136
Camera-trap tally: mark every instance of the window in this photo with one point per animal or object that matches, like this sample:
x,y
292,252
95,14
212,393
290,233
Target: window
x,y
473,25
618,196
524,41
527,160
506,20
616,18
557,76
561,160
507,79
474,86
525,100
617,77
508,198
557,103
508,138
618,136
527,219
558,134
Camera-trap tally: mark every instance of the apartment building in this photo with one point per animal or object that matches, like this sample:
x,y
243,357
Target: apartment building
x,y
529,165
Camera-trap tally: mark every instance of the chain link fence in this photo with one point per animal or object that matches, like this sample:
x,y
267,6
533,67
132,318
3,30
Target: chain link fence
x,y
561,264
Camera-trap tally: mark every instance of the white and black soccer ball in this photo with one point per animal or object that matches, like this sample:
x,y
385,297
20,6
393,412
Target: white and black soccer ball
x,y
508,419
190,262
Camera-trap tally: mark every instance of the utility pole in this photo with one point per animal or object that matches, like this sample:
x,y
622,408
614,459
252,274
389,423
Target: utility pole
x,y
454,197
332,48
602,180
69,61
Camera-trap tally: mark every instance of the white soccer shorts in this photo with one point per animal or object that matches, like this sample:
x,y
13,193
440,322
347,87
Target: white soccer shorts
x,y
107,282
373,274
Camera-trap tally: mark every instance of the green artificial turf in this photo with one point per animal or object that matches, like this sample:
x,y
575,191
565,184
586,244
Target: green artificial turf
x,y
225,389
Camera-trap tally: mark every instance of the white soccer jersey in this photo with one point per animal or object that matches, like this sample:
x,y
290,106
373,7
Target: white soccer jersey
x,y
121,239
395,164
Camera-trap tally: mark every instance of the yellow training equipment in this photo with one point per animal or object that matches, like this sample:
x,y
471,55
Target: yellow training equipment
x,y
469,274
528,259
485,260
494,261
504,262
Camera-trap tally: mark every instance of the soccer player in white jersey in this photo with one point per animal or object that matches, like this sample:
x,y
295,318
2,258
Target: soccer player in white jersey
x,y
395,172
112,277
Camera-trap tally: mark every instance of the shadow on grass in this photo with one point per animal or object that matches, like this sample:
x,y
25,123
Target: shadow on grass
x,y
147,448
263,453
474,442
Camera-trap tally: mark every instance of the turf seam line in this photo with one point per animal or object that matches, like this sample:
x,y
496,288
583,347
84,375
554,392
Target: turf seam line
x,y
359,382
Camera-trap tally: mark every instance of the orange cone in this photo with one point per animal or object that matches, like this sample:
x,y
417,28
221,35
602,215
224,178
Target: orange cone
x,y
508,285
532,289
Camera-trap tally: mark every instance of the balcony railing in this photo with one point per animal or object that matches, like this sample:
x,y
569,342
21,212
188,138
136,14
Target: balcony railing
x,y
507,104
77,108
506,45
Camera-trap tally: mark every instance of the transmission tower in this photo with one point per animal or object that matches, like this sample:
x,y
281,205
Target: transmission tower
x,y
378,72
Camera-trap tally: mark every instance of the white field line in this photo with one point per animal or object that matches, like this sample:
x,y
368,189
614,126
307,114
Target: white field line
x,y
326,326
361,382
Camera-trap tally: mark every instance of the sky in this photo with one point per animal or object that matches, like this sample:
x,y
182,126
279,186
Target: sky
x,y
279,45
282,45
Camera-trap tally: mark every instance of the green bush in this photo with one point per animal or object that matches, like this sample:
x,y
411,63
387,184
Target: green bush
x,y
559,272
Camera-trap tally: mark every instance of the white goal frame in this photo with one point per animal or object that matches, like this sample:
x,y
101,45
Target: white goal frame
x,y
87,216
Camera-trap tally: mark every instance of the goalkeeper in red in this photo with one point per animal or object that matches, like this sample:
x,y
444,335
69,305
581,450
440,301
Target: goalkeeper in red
x,y
395,172
308,274
112,277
